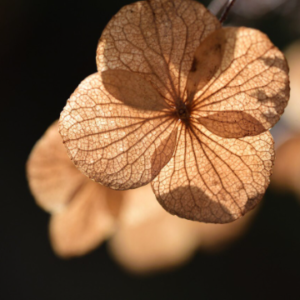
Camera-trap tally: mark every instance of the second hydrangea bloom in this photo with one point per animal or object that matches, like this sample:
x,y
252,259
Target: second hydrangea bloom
x,y
183,103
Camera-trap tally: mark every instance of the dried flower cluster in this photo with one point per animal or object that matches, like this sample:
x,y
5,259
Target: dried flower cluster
x,y
286,173
183,104
180,103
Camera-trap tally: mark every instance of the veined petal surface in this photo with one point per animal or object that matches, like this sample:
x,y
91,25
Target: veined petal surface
x,y
252,78
116,145
214,179
156,39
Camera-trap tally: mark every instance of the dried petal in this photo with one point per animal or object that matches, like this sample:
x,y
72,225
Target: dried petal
x,y
213,179
216,237
286,173
84,223
149,238
292,112
83,211
132,90
52,177
252,77
157,40
114,144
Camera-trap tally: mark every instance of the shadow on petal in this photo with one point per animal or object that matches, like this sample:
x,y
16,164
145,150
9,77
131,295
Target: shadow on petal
x,y
193,199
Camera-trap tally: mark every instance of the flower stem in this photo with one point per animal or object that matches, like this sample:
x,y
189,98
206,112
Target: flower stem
x,y
226,10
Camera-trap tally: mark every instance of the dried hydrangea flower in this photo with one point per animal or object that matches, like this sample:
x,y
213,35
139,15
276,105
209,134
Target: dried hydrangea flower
x,y
182,103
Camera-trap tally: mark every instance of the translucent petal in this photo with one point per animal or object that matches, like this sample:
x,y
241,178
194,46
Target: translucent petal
x,y
157,40
52,177
83,212
212,179
114,144
252,78
84,223
149,238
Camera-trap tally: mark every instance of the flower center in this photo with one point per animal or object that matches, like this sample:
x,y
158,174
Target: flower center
x,y
182,111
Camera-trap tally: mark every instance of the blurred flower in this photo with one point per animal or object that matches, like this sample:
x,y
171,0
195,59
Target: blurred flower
x,y
291,115
141,235
286,172
81,214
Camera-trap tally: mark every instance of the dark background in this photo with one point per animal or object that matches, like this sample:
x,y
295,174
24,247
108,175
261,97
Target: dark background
x,y
46,48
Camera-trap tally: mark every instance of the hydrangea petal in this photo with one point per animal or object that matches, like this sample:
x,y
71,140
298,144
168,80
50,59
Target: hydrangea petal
x,y
213,179
116,145
84,223
157,40
148,238
252,78
52,177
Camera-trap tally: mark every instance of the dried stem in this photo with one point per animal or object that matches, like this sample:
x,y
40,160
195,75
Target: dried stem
x,y
226,10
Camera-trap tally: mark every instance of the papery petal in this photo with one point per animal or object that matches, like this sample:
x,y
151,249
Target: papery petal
x,y
83,211
292,112
84,223
52,177
286,173
116,145
215,238
212,179
157,40
252,77
149,238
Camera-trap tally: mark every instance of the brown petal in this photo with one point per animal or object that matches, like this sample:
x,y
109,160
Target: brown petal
x,y
149,238
84,211
113,143
212,179
52,177
286,174
232,124
157,40
252,77
292,112
132,90
84,223
216,237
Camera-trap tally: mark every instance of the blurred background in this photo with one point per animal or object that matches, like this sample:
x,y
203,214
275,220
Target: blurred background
x,y
47,48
